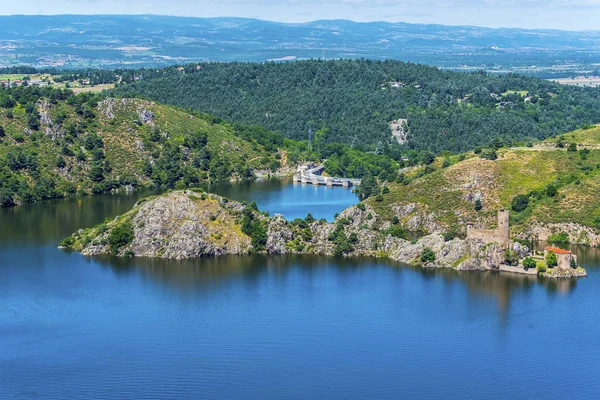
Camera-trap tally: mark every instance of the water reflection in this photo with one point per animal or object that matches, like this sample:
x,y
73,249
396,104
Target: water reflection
x,y
52,220
210,272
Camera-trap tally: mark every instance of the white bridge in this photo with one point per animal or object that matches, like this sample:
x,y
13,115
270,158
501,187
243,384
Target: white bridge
x,y
313,176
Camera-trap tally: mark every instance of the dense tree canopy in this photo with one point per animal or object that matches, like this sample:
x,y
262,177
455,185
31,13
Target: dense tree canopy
x,y
345,102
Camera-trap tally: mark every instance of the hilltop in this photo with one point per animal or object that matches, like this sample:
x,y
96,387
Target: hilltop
x,y
552,192
54,143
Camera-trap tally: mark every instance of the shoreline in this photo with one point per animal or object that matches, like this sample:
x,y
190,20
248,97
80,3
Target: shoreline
x,y
192,224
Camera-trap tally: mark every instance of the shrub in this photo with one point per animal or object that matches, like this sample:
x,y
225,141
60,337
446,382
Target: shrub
x,y
573,263
489,154
361,206
385,190
60,162
529,262
395,231
395,220
427,255
477,206
551,259
67,242
551,190
511,257
520,202
120,236
572,147
445,163
561,237
448,236
541,266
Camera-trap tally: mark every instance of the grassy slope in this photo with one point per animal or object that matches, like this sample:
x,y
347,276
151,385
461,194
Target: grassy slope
x,y
126,143
450,192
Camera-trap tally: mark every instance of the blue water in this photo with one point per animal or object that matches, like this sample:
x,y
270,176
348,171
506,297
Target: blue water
x,y
278,327
292,200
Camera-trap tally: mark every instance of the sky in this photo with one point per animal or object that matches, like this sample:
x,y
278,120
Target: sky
x,y
534,14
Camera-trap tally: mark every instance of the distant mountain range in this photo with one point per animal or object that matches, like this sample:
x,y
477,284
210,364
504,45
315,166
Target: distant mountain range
x,y
150,40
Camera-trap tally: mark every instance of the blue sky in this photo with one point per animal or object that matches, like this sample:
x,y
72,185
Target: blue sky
x,y
556,14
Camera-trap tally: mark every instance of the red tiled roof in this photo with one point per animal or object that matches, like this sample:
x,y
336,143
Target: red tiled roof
x,y
557,250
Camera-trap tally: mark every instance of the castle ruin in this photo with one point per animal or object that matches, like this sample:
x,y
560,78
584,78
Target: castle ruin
x,y
499,235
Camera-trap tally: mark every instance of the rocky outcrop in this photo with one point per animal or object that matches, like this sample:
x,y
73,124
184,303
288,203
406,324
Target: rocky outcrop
x,y
107,108
146,116
186,224
177,225
577,234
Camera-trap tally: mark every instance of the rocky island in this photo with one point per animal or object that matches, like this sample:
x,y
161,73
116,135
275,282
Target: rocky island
x,y
187,224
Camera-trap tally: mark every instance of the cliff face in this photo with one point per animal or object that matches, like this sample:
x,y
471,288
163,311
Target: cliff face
x,y
186,224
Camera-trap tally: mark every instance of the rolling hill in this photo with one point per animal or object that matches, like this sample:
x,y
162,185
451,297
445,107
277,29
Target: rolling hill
x,y
560,190
55,144
103,41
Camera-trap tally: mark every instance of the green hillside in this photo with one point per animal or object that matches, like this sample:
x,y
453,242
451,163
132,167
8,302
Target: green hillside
x,y
354,101
54,144
559,185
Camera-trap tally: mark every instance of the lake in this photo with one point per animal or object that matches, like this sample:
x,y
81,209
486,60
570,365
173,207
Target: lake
x,y
278,327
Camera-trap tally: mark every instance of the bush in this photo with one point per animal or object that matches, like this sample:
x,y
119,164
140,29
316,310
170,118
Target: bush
x,y
67,242
60,162
448,236
573,263
541,266
395,231
489,154
561,237
120,236
572,147
361,206
551,190
511,257
529,262
520,203
445,163
477,206
427,255
551,259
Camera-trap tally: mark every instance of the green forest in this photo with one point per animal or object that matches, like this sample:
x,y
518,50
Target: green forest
x,y
352,101
54,143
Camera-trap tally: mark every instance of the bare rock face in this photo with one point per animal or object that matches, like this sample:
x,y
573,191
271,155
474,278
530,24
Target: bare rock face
x,y
278,235
177,226
358,217
180,225
577,234
417,218
107,108
55,132
146,116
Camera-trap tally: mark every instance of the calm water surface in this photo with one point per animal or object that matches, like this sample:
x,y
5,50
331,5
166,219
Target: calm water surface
x,y
278,327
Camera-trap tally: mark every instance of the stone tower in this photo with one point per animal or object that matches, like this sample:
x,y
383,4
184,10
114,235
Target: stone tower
x,y
504,225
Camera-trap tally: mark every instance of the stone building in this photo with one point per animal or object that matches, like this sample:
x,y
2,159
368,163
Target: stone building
x,y
563,257
499,235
